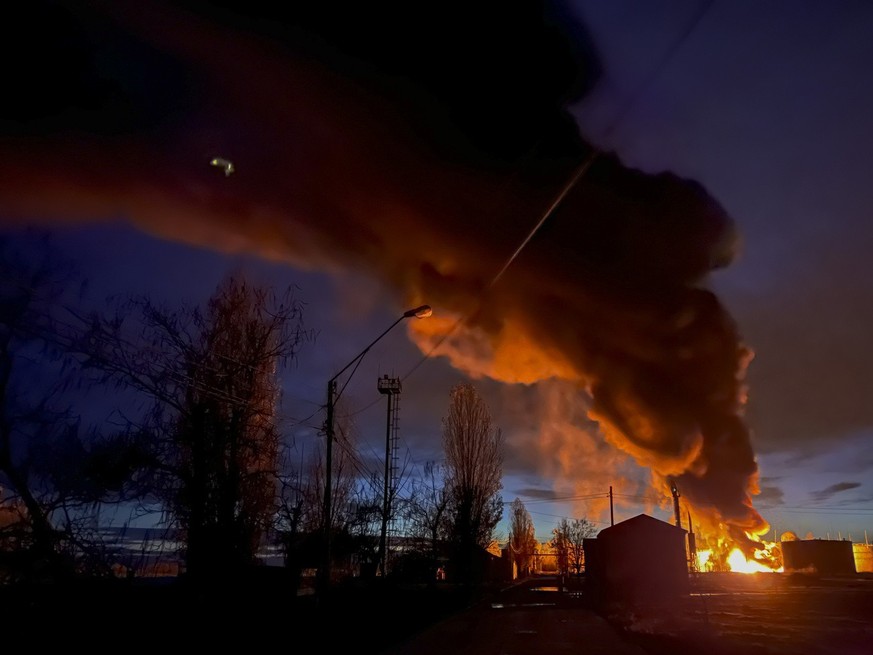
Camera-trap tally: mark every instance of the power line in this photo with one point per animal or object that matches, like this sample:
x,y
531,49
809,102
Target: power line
x,y
659,66
556,516
831,511
651,499
560,499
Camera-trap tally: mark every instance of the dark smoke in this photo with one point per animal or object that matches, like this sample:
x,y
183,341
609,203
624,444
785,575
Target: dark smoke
x,y
419,143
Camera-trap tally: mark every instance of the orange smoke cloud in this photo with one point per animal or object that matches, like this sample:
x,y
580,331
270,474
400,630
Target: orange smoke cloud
x,y
553,433
426,171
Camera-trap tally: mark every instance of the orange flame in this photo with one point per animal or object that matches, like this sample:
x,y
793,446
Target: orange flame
x,y
725,557
739,564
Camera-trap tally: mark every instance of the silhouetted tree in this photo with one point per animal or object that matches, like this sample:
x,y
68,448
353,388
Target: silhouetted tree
x,y
29,285
213,378
53,475
426,513
297,505
522,539
568,542
560,543
474,468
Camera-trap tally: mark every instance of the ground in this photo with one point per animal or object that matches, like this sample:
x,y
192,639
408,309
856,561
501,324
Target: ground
x,y
260,614
758,614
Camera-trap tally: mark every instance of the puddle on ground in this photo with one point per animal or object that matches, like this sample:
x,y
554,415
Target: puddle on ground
x,y
548,589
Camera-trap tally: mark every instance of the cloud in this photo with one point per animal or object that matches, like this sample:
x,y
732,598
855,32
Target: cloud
x,y
849,453
770,496
537,493
829,492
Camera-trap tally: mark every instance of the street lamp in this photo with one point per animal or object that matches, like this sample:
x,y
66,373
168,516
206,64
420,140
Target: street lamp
x,y
418,312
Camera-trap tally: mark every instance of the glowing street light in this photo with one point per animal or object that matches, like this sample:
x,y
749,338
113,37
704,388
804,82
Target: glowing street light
x,y
418,312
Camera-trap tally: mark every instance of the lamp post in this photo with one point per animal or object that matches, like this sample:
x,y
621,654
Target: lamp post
x,y
332,396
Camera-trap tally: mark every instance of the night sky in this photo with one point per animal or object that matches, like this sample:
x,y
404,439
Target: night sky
x,y
698,306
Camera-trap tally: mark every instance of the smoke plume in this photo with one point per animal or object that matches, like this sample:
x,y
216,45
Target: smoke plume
x,y
420,148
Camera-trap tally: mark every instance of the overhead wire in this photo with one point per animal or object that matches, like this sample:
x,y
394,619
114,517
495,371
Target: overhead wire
x,y
560,499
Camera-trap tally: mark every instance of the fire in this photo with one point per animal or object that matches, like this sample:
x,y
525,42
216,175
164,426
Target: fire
x,y
739,564
724,554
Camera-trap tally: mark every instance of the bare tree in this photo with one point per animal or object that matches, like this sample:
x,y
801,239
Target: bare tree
x,y
474,468
522,538
28,288
300,517
299,508
561,545
53,474
426,510
375,519
347,465
569,540
212,376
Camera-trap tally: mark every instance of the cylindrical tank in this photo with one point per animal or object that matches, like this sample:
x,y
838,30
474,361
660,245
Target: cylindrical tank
x,y
819,556
863,557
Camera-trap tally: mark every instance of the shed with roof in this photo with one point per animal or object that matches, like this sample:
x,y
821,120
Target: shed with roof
x,y
640,559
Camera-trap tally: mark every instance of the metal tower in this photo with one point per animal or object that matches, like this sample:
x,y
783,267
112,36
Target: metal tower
x,y
391,388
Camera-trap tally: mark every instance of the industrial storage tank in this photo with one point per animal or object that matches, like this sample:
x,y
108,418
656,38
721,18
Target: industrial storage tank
x,y
863,557
818,556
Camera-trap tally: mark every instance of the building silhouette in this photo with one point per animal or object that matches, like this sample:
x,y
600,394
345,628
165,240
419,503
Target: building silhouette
x,y
640,560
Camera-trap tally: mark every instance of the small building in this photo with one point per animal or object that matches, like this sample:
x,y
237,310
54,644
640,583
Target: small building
x,y
819,556
642,559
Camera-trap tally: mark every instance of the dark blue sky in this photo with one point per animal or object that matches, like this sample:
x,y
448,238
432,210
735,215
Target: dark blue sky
x,y
376,178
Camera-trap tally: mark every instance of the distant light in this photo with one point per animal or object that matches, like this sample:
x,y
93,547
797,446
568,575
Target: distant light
x,y
223,163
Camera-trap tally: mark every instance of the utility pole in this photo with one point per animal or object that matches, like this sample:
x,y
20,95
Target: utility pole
x,y
324,571
611,513
391,388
